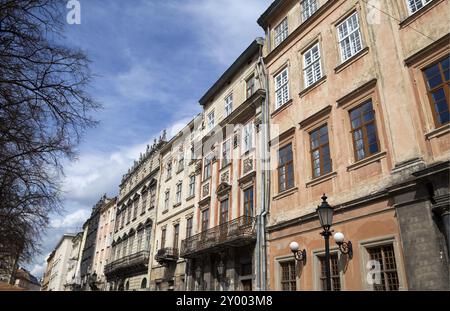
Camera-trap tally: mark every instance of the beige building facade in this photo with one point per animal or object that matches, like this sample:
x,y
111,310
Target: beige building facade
x,y
128,266
358,93
178,197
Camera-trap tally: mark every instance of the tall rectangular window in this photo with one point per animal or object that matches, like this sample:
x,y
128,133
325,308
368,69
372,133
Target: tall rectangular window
x,y
281,31
169,169
166,200
248,202
205,220
211,121
247,137
228,105
163,238
281,88
224,211
285,168
192,186
320,151
385,256
288,276
416,5
250,86
152,196
334,271
129,209
116,225
176,235
144,201
189,226
139,240
226,153
312,71
181,162
364,131
207,166
123,214
178,193
135,211
308,8
349,34
438,80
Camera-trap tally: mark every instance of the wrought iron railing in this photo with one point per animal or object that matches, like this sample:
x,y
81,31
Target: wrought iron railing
x,y
166,254
242,228
139,258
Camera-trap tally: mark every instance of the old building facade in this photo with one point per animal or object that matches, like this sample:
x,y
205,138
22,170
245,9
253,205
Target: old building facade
x,y
359,95
128,267
73,278
104,241
178,196
221,251
59,263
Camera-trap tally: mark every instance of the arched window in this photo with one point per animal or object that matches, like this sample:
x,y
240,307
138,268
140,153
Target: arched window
x,y
127,285
144,283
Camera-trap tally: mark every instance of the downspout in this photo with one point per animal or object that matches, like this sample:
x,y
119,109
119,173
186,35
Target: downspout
x,y
262,251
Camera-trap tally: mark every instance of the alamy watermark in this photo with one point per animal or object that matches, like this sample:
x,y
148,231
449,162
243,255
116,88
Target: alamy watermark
x,y
73,16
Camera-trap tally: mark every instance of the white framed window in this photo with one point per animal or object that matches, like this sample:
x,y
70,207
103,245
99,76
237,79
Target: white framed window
x,y
207,166
281,31
211,121
308,8
349,34
281,88
247,137
226,153
181,161
312,68
166,200
169,169
228,105
178,194
192,185
416,5
250,86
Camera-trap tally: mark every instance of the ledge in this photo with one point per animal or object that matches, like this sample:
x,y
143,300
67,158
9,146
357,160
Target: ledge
x,y
176,204
281,108
312,86
318,180
442,130
223,168
351,60
165,211
411,18
366,161
285,193
190,197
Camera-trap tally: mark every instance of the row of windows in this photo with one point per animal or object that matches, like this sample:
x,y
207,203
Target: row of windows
x,y
387,280
130,212
179,192
128,246
176,233
224,209
365,143
309,7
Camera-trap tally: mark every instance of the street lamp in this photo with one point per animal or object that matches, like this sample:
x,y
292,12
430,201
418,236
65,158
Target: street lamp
x,y
325,212
300,255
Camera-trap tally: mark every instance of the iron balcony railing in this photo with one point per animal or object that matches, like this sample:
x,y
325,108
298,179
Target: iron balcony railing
x,y
166,254
137,259
236,232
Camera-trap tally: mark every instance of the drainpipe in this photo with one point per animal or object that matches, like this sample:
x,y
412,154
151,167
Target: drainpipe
x,y
265,180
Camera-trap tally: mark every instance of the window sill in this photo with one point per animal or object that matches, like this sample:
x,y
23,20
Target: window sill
x,y
225,167
190,197
206,179
351,60
142,213
169,178
411,18
179,171
442,130
165,211
281,108
285,193
318,180
312,86
176,204
151,207
366,161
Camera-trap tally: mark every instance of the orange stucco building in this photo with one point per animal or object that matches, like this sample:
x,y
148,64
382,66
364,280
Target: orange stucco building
x,y
358,96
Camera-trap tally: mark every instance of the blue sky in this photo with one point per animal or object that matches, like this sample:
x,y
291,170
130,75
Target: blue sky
x,y
153,60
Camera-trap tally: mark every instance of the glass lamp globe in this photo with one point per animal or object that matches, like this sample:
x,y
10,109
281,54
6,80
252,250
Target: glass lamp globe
x,y
294,246
339,237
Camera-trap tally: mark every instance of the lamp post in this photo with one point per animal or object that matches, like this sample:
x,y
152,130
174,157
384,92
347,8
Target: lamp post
x,y
325,212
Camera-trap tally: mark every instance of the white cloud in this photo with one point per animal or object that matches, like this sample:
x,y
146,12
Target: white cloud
x,y
38,270
71,220
225,27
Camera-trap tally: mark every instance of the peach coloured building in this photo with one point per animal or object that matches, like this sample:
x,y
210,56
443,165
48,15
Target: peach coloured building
x,y
359,97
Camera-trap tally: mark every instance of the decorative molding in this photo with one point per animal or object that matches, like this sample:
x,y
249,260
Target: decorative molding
x,y
247,165
321,113
205,190
357,92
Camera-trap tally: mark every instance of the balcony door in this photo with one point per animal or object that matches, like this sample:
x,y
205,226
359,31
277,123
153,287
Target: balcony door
x,y
223,219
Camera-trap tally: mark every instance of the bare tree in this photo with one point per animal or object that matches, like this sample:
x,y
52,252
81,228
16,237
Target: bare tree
x,y
44,111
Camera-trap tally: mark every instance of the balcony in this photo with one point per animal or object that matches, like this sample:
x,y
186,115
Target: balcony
x,y
234,233
166,255
132,263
